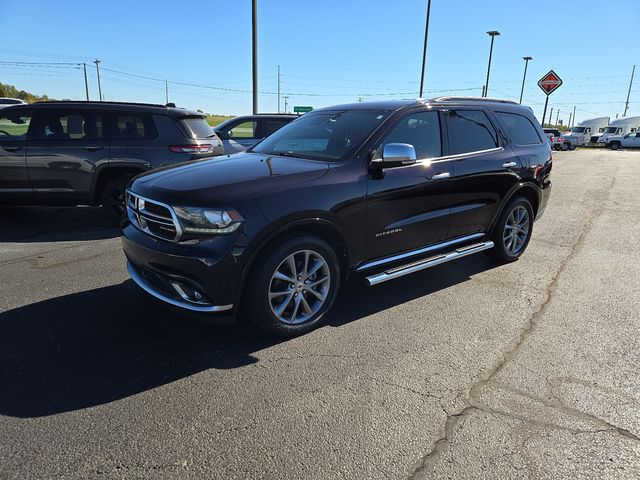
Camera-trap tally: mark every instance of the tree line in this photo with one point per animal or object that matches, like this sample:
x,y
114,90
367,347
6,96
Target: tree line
x,y
10,91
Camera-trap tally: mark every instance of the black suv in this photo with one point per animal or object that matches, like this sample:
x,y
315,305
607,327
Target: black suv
x,y
379,190
77,153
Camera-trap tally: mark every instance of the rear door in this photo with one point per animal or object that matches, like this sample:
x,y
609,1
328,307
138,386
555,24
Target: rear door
x,y
68,147
15,125
484,170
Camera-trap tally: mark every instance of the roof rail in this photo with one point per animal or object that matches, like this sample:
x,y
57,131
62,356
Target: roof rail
x,y
97,102
473,99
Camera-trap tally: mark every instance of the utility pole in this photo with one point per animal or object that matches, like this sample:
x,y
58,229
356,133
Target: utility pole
x,y
574,115
285,103
569,122
97,62
526,63
551,116
278,88
254,68
424,50
86,84
626,105
492,34
166,91
557,116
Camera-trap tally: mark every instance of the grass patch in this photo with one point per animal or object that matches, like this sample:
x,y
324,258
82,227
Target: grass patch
x,y
215,120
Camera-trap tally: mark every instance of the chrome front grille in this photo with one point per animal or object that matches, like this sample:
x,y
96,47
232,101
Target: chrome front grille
x,y
155,218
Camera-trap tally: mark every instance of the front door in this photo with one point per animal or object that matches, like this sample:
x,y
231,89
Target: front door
x,y
408,207
14,179
67,148
238,137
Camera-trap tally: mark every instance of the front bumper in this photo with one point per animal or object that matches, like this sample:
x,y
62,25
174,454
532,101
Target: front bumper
x,y
203,279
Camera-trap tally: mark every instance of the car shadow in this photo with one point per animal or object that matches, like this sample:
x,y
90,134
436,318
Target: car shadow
x,y
90,348
55,224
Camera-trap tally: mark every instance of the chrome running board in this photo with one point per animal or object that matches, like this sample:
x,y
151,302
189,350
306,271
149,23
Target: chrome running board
x,y
427,262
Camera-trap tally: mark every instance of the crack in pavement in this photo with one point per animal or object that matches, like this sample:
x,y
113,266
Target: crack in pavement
x,y
473,397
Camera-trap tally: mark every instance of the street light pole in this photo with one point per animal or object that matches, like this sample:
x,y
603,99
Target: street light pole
x,y
526,63
97,62
424,50
626,105
86,83
254,35
492,34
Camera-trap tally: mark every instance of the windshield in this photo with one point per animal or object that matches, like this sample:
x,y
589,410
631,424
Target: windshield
x,y
578,129
329,136
610,130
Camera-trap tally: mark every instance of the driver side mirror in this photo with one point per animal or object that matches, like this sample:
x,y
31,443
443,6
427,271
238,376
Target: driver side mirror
x,y
395,155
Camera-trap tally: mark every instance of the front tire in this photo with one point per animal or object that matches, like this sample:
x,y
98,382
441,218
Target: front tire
x,y
564,147
615,145
294,286
512,233
112,198
572,146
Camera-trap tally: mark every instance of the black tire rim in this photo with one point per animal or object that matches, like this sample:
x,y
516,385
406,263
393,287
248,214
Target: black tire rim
x,y
116,202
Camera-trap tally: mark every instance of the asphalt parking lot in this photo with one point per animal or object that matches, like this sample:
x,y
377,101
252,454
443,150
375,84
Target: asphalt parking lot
x,y
468,370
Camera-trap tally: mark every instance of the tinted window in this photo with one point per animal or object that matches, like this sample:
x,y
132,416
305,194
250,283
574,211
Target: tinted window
x,y
326,135
133,126
197,127
12,101
470,131
243,130
70,125
422,130
14,125
268,126
520,128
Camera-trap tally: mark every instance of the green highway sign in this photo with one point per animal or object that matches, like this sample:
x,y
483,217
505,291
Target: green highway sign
x,y
302,109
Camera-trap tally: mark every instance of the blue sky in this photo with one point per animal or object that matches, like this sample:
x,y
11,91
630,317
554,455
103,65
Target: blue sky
x,y
330,51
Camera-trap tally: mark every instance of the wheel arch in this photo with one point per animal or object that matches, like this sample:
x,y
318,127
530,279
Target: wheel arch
x,y
528,190
106,174
322,228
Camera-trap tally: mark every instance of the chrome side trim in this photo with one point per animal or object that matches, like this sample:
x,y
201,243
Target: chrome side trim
x,y
419,251
428,263
147,287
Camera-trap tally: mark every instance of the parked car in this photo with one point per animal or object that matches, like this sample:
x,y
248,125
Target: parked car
x,y
7,101
378,190
241,133
77,153
619,127
588,131
630,140
558,141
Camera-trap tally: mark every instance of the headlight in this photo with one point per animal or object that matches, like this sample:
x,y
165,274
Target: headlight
x,y
207,220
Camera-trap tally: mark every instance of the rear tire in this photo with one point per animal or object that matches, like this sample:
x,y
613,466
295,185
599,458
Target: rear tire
x,y
572,146
293,288
512,233
112,198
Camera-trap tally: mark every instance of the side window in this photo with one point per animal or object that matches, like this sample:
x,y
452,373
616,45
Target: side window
x,y
587,130
70,125
131,126
14,125
243,130
470,131
268,126
520,128
422,130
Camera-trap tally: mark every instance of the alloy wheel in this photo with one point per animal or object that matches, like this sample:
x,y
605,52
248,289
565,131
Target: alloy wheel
x,y
299,287
516,230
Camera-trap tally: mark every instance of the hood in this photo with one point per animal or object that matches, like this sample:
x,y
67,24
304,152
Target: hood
x,y
225,178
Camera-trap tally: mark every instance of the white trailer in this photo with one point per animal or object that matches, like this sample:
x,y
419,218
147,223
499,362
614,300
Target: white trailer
x,y
587,131
619,126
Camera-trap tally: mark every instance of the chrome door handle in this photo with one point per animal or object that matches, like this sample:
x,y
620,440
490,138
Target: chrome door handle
x,y
93,148
438,176
509,164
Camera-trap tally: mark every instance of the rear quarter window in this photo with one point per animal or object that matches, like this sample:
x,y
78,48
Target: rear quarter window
x,y
520,128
